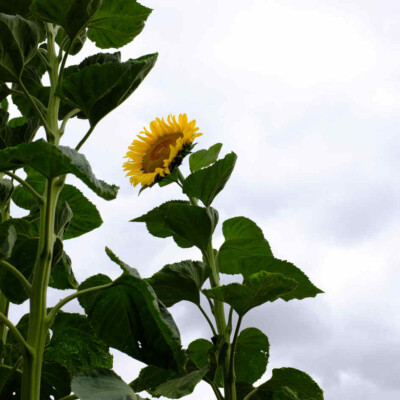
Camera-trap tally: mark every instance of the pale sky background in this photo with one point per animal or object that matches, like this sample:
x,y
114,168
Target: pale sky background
x,y
307,93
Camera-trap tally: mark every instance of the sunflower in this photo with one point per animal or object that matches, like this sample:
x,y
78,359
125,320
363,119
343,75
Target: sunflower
x,y
160,150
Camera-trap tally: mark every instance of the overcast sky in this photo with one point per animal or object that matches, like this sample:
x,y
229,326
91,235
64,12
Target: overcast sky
x,y
307,94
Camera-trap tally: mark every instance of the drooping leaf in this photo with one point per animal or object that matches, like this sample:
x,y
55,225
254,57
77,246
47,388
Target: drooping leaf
x,y
16,131
8,237
6,189
180,281
208,182
251,357
188,225
288,384
18,41
62,219
61,276
74,344
20,7
98,89
256,289
62,38
243,238
52,161
250,265
72,15
167,383
56,381
125,267
117,23
203,158
23,258
101,384
129,317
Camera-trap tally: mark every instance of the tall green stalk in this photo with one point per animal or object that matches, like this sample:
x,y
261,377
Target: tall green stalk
x,y
38,325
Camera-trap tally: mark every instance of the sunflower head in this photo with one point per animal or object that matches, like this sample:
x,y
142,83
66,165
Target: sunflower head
x,y
160,150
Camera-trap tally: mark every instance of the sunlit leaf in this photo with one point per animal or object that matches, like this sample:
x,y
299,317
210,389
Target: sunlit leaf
x,y
203,158
243,238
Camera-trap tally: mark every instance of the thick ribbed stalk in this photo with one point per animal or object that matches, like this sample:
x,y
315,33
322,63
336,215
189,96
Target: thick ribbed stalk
x,y
38,327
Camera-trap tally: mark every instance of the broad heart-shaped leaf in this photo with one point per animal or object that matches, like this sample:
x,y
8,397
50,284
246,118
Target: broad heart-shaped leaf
x,y
72,15
6,189
52,161
98,89
180,281
101,384
74,344
188,225
243,238
251,357
289,384
117,23
16,131
18,42
203,158
20,7
304,289
160,382
255,290
129,317
208,182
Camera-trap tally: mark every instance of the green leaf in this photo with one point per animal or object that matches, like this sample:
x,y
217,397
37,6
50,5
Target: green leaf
x,y
129,317
191,224
180,281
14,7
125,267
62,219
256,289
98,89
16,131
199,352
18,42
305,288
61,275
77,43
101,384
117,23
243,238
85,215
251,357
203,158
52,161
6,189
56,381
72,15
168,179
23,258
208,182
11,382
8,237
160,382
74,344
288,384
